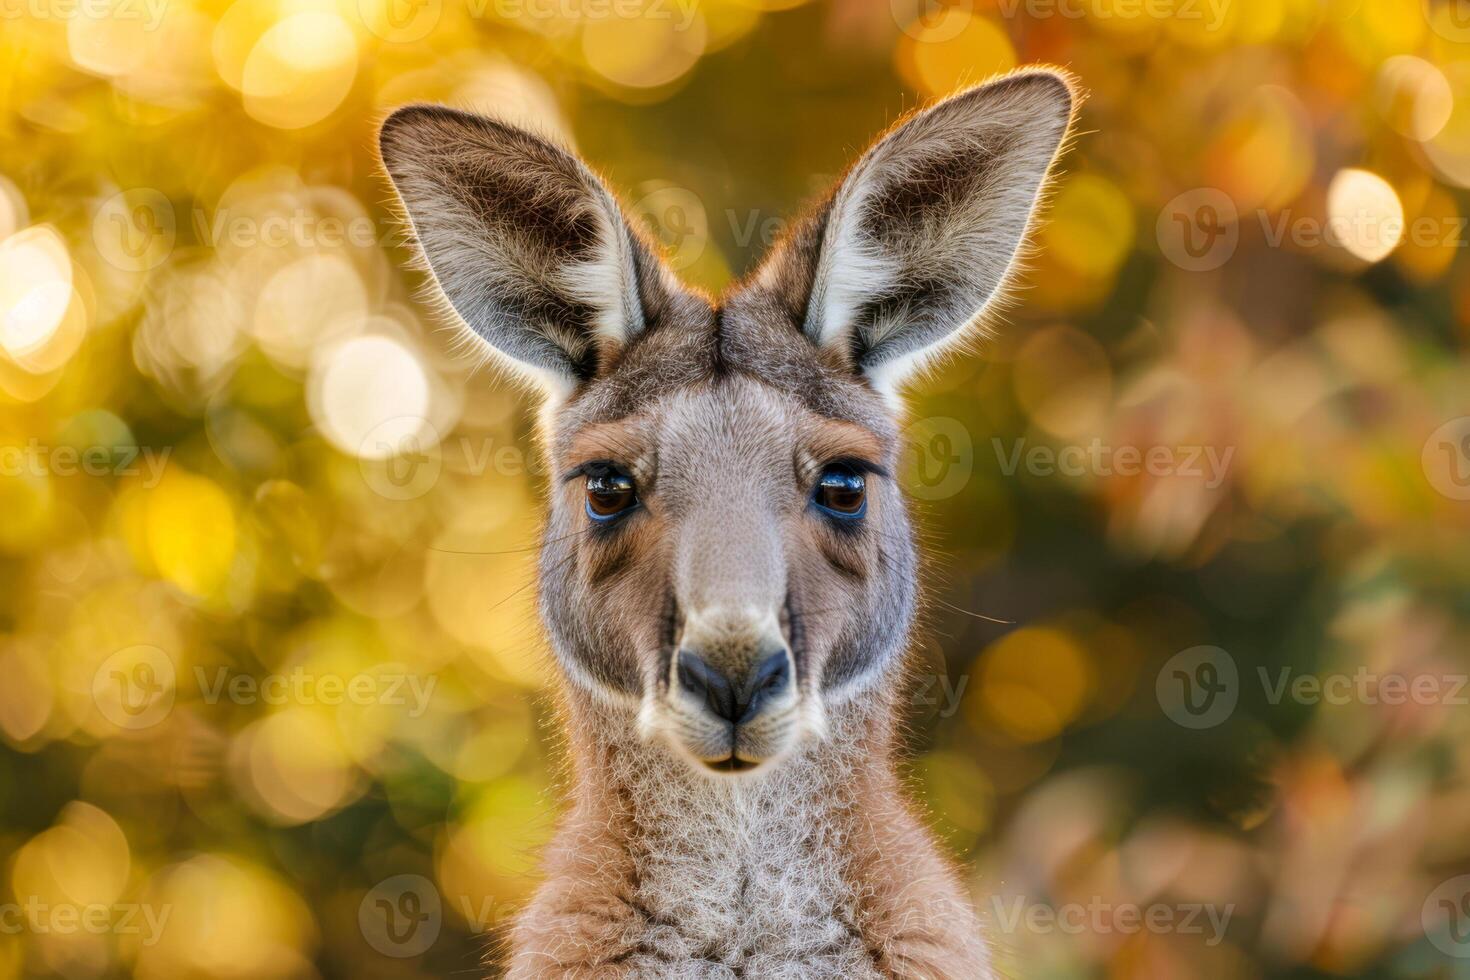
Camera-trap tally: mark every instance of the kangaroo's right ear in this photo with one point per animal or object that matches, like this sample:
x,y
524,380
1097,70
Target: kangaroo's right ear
x,y
529,247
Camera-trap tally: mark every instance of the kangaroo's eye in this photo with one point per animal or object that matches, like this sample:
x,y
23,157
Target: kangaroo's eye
x,y
842,492
610,495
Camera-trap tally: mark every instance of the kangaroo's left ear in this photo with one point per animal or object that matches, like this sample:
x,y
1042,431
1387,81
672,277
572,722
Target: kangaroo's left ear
x,y
920,237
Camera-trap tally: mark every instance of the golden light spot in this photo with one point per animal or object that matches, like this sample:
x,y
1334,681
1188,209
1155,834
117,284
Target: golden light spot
x,y
300,70
952,49
13,211
26,698
35,289
1433,237
1449,149
1033,683
1414,96
645,51
484,601
293,765
1365,214
316,299
1064,381
1090,228
82,860
371,397
190,526
112,40
1263,155
228,919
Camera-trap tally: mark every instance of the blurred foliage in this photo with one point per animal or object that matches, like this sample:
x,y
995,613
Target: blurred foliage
x,y
268,660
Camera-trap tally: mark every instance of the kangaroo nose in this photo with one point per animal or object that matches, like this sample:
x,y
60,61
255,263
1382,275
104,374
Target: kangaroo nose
x,y
736,699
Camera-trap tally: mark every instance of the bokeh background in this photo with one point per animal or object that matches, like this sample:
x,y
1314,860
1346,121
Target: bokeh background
x,y
1191,702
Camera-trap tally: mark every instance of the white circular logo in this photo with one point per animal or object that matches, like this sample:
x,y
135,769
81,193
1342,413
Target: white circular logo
x,y
939,457
400,21
400,458
1450,19
1199,687
1445,917
401,916
933,21
135,229
1446,458
134,688
1198,230
676,216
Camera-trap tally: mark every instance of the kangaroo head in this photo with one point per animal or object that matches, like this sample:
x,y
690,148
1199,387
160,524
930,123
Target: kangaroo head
x,y
727,558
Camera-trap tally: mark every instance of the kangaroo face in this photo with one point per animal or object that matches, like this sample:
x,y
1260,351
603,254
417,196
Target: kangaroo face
x,y
726,556
722,554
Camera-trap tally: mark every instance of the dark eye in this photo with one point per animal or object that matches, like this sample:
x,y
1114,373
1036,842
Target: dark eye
x,y
610,495
842,492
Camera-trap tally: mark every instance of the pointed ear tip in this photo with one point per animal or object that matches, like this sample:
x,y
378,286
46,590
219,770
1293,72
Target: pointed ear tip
x,y
1051,84
395,128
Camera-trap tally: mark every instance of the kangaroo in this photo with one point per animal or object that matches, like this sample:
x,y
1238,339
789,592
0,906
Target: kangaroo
x,y
728,571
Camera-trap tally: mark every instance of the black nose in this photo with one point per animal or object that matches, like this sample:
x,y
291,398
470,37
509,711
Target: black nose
x,y
735,699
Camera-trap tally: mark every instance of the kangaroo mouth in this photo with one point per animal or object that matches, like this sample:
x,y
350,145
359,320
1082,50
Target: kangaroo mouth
x,y
732,763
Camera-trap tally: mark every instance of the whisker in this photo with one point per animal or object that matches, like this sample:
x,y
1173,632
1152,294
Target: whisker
x,y
989,619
